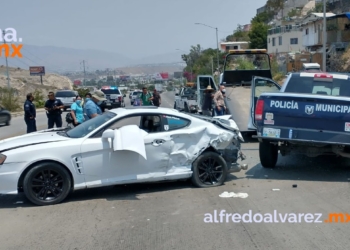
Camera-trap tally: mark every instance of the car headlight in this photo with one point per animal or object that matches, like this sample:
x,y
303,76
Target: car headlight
x,y
2,158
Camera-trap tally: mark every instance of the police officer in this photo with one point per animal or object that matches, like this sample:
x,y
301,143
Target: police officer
x,y
53,108
30,113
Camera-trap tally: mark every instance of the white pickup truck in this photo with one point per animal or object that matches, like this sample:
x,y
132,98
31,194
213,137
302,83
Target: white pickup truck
x,y
190,99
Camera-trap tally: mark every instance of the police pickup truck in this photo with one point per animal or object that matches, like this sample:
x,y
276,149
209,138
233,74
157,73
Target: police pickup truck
x,y
113,96
309,114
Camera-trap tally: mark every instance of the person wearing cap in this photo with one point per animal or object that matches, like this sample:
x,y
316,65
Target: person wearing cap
x,y
91,108
208,101
219,100
53,109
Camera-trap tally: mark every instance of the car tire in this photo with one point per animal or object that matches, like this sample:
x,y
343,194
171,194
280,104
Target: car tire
x,y
213,165
268,154
41,189
187,110
7,123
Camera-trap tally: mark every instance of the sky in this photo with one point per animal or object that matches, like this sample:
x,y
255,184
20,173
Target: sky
x,y
134,28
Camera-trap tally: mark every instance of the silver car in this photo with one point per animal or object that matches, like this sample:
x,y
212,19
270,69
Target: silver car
x,y
67,97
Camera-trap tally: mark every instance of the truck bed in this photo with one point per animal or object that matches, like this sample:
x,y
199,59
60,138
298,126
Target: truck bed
x,y
238,105
304,117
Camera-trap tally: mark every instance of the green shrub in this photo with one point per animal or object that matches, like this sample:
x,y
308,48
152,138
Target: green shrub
x,y
9,100
39,99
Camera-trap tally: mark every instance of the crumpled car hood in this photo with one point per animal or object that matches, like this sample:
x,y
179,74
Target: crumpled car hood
x,y
43,136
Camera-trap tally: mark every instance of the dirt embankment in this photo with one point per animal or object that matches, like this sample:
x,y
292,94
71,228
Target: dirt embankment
x,y
21,80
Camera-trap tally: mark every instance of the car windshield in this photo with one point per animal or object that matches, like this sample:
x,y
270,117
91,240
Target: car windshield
x,y
65,94
90,125
111,91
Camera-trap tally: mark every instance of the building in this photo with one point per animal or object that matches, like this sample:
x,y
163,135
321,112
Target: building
x,y
247,27
261,10
226,46
284,38
338,31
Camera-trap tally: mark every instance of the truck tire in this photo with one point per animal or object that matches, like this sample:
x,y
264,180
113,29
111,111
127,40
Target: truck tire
x,y
268,154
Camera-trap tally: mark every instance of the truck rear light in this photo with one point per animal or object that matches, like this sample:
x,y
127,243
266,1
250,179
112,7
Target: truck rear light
x,y
323,77
259,109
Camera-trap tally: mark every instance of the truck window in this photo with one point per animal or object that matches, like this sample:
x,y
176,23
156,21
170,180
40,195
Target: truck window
x,y
307,85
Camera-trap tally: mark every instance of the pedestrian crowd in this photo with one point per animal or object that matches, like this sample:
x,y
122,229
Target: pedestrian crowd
x,y
79,112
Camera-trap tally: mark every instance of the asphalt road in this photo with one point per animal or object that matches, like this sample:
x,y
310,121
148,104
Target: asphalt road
x,y
171,215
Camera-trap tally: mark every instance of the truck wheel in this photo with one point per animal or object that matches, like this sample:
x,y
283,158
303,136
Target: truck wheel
x,y
268,154
187,110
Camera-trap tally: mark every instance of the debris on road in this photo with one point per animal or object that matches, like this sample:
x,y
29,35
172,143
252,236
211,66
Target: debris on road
x,y
295,185
233,195
275,189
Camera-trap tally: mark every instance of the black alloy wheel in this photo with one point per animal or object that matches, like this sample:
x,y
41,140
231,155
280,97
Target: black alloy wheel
x,y
209,170
47,184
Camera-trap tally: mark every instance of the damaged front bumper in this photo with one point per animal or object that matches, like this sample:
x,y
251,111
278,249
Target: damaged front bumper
x,y
232,154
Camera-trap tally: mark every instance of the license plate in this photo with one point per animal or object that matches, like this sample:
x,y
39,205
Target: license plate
x,y
271,132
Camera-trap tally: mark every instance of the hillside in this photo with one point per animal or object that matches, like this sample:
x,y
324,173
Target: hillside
x,y
150,69
21,80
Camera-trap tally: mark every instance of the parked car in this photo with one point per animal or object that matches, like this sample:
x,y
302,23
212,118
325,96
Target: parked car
x,y
114,96
124,145
67,97
5,116
135,94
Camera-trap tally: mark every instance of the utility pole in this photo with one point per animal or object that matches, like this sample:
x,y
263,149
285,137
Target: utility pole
x,y
217,46
324,37
7,66
84,72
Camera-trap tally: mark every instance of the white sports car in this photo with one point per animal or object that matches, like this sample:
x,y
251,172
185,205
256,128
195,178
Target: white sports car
x,y
124,145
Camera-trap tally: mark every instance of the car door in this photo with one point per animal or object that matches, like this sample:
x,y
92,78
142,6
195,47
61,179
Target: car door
x,y
203,81
260,85
103,165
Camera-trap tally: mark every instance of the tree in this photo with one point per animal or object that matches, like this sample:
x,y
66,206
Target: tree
x,y
258,36
238,35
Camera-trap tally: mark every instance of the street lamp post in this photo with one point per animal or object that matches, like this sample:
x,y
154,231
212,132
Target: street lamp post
x,y
324,36
7,66
217,40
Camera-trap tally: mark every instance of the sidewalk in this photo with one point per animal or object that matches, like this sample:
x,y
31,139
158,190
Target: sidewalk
x,y
21,113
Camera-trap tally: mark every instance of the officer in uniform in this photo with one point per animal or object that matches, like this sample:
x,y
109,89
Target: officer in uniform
x,y
30,113
53,108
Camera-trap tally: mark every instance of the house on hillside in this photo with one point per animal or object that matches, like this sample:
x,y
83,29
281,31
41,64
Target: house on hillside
x,y
338,31
226,46
284,38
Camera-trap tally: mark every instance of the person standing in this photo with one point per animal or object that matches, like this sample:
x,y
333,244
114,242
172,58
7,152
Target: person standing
x,y
53,108
30,113
208,101
219,101
146,97
77,111
91,107
157,100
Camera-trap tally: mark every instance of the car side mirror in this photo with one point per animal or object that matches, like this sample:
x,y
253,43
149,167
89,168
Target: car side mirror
x,y
108,134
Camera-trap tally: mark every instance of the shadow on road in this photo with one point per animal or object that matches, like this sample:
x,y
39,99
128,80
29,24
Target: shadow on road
x,y
303,168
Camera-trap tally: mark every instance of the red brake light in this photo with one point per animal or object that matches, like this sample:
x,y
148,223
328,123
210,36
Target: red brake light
x,y
323,77
259,109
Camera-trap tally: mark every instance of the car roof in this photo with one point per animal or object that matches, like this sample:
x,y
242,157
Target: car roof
x,y
343,76
148,109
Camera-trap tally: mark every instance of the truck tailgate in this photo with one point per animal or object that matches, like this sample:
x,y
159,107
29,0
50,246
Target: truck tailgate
x,y
305,117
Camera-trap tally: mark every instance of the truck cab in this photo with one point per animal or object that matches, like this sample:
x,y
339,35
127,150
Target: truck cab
x,y
241,69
